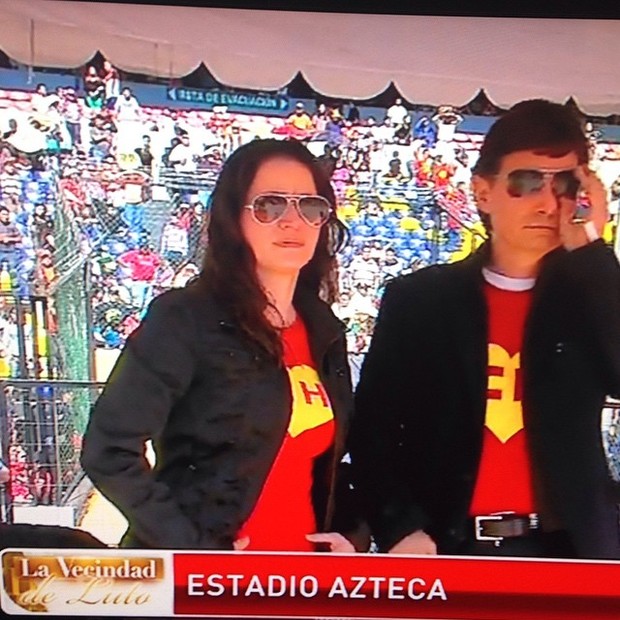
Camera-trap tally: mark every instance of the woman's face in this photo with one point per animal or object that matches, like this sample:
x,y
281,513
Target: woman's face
x,y
285,246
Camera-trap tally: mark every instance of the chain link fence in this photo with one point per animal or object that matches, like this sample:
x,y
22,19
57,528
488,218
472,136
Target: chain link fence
x,y
41,439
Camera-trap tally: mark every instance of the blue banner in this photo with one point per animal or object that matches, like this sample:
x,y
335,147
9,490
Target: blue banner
x,y
244,100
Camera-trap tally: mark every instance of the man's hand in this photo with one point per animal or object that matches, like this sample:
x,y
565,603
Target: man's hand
x,y
337,542
418,542
573,234
241,543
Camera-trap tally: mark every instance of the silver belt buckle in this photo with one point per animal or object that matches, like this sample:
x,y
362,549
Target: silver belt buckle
x,y
495,516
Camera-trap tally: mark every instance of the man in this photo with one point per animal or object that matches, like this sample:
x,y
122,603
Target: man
x,y
397,112
174,241
299,123
142,265
300,119
10,241
364,268
128,120
478,410
391,265
144,152
328,161
183,157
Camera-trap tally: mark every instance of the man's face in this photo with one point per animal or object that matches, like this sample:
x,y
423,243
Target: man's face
x,y
525,225
4,216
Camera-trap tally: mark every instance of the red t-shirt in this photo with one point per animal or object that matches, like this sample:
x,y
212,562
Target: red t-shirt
x,y
284,514
504,475
143,264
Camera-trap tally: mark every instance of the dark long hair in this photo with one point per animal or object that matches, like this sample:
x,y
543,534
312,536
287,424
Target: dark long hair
x,y
229,267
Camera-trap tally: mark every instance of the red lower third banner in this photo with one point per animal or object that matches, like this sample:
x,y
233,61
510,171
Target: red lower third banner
x,y
379,586
147,583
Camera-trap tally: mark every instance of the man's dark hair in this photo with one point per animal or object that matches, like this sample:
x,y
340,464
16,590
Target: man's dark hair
x,y
534,125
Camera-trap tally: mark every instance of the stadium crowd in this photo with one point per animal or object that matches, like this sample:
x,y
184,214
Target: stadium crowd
x,y
92,179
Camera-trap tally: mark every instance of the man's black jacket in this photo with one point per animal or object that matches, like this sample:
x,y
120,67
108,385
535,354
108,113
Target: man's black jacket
x,y
420,404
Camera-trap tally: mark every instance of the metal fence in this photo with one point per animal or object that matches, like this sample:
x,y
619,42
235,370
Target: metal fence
x,y
41,430
611,436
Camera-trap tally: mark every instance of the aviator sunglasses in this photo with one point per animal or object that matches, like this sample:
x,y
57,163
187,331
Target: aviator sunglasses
x,y
268,208
564,183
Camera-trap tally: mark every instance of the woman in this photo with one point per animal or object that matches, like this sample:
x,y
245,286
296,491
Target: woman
x,y
240,378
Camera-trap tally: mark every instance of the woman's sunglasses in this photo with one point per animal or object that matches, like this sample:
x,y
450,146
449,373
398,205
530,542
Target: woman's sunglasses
x,y
564,183
269,208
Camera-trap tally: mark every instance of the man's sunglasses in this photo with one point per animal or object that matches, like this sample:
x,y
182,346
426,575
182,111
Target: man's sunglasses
x,y
564,183
270,207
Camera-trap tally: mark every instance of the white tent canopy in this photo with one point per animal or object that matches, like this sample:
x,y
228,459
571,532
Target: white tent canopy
x,y
433,60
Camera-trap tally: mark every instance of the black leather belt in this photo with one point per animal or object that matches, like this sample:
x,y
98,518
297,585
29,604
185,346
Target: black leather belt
x,y
497,526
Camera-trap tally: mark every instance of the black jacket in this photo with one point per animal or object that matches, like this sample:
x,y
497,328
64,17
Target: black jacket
x,y
217,411
421,400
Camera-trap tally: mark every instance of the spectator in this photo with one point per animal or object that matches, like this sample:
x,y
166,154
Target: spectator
x,y
163,277
142,264
100,138
183,158
384,133
10,183
334,128
71,109
128,120
72,192
195,229
300,123
328,160
447,119
43,228
364,268
45,276
184,275
394,167
10,242
5,473
127,108
402,132
144,152
391,265
94,89
363,301
39,99
397,113
442,173
319,118
425,131
174,241
112,84
353,114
